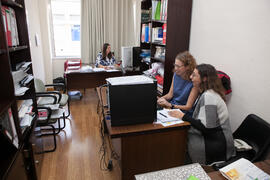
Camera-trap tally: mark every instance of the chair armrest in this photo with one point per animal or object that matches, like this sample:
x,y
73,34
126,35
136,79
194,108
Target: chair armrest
x,y
45,94
55,84
48,110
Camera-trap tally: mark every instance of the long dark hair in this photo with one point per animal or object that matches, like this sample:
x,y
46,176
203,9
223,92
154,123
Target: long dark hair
x,y
213,82
105,46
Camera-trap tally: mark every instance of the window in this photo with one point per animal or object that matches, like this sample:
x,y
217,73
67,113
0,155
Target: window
x,y
66,27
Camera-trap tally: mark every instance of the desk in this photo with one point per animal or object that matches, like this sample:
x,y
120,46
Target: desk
x,y
147,147
83,80
263,165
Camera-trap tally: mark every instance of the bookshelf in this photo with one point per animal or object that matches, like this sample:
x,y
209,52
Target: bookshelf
x,y
177,34
15,56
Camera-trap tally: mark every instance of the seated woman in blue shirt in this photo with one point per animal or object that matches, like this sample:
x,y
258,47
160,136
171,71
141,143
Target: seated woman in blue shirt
x,y
105,59
182,94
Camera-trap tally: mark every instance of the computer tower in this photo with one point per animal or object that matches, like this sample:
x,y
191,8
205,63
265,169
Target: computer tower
x,y
132,104
136,51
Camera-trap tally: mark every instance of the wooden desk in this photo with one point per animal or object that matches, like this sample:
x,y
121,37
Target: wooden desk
x,y
263,165
83,80
148,147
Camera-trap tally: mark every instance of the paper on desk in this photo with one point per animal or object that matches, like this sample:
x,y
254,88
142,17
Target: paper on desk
x,y
86,68
165,119
98,69
112,70
243,169
127,80
163,115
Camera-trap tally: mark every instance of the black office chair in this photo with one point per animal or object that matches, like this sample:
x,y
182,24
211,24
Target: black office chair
x,y
256,132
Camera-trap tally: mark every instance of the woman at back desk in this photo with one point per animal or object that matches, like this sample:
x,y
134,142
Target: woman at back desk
x,y
182,94
105,59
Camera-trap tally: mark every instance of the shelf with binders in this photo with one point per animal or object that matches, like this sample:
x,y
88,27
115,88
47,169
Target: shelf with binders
x,y
2,51
17,48
8,154
11,3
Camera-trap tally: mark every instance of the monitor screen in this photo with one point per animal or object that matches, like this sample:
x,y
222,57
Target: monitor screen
x,y
136,51
126,55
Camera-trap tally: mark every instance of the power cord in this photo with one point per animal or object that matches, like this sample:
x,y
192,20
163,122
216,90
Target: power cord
x,y
105,165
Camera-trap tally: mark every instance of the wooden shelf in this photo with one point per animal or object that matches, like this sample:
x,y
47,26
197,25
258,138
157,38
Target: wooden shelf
x,y
2,51
11,3
18,48
7,156
4,105
158,44
160,21
158,59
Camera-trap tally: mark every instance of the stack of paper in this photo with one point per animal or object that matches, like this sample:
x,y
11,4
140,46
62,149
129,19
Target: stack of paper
x,y
128,80
165,119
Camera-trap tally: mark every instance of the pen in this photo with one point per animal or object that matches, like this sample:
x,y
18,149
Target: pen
x,y
163,115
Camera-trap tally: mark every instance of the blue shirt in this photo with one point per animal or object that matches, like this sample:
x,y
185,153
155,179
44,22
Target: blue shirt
x,y
104,62
181,91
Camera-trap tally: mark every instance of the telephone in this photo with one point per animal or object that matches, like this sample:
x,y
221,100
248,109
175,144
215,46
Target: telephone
x,y
241,145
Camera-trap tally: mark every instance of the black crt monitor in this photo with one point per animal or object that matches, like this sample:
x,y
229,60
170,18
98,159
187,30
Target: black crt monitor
x,y
132,104
136,51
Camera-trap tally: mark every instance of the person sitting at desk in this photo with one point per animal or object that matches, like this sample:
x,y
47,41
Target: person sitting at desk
x,y
210,137
105,59
182,94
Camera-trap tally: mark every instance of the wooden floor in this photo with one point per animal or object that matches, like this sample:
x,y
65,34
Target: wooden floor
x,y
77,155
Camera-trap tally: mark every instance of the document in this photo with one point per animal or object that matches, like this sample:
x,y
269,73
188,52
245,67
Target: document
x,y
163,115
165,119
243,169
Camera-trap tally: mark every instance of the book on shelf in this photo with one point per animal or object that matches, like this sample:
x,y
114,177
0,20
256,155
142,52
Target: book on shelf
x,y
8,127
159,10
164,27
9,19
243,169
146,32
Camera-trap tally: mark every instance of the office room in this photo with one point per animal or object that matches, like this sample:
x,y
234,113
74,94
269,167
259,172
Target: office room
x,y
232,36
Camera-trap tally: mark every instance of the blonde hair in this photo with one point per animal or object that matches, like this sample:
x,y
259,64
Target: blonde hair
x,y
188,61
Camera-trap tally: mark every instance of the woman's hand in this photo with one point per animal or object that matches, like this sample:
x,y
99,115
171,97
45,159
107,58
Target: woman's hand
x,y
163,102
176,113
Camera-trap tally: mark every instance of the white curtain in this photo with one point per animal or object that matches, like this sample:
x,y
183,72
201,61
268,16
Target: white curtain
x,y
111,21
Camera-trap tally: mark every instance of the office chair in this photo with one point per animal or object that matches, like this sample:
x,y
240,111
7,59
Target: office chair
x,y
48,118
256,132
51,97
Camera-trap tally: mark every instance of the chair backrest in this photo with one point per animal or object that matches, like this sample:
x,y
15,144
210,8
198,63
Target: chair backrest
x,y
256,132
39,85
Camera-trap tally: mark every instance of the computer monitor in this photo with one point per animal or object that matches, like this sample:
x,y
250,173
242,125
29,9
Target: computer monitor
x,y
126,55
136,51
130,56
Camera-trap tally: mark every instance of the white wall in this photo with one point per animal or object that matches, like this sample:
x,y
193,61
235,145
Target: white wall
x,y
234,36
33,30
58,67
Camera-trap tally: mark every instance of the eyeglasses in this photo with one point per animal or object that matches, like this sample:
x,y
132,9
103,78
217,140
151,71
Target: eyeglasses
x,y
177,66
193,75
